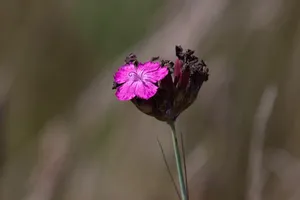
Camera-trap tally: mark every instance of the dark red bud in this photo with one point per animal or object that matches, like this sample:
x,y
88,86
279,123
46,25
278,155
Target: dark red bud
x,y
177,70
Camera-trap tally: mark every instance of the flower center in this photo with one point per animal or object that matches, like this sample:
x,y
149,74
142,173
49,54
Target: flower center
x,y
134,76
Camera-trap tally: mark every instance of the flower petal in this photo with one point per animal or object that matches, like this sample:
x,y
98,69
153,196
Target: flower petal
x,y
155,76
125,92
148,67
152,71
122,75
145,90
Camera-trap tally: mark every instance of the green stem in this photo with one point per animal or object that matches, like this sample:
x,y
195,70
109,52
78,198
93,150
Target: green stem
x,y
178,162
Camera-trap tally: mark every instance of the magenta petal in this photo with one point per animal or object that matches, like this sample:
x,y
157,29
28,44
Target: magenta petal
x,y
125,92
157,75
152,71
122,75
145,90
148,66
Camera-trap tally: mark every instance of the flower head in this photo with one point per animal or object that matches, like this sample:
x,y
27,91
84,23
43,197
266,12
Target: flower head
x,y
138,81
161,89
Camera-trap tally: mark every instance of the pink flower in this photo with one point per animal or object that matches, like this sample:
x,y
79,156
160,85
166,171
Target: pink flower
x,y
138,81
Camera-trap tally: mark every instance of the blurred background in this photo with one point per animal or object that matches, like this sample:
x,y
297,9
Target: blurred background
x,y
64,135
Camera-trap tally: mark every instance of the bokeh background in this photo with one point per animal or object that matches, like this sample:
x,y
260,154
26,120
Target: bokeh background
x,y
64,136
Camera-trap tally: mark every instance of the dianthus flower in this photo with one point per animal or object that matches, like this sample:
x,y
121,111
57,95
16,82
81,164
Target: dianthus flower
x,y
139,81
161,88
